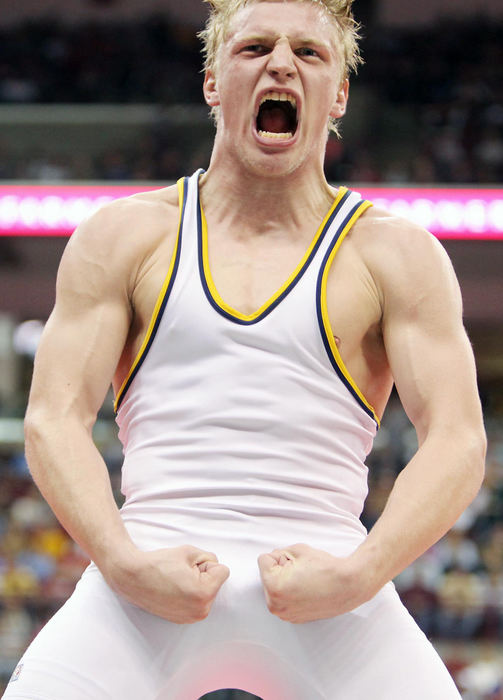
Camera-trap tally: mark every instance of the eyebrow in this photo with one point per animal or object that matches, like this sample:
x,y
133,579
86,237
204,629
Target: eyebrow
x,y
314,42
302,41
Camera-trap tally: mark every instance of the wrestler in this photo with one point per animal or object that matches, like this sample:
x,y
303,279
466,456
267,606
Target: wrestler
x,y
252,320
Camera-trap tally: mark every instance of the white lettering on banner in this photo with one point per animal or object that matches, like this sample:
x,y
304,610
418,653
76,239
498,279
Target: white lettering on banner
x,y
445,212
495,215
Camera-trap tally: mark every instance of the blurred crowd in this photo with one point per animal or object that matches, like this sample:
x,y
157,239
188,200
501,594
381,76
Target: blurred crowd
x,y
433,100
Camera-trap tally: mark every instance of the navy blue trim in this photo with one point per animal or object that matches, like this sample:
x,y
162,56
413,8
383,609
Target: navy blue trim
x,y
285,292
324,336
164,300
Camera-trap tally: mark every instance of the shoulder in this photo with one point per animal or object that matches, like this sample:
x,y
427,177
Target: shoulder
x,y
384,234
133,220
122,234
404,259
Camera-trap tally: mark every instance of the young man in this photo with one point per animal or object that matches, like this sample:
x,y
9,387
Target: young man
x,y
253,320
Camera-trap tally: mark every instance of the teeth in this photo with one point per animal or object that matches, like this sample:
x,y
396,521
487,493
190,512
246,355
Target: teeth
x,y
272,135
280,97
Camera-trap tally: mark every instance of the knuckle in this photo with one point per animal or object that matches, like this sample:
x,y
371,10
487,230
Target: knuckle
x,y
300,547
192,618
279,611
198,616
202,612
198,597
274,605
275,595
198,605
188,549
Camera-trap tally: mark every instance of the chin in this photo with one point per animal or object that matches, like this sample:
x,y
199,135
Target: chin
x,y
274,163
272,166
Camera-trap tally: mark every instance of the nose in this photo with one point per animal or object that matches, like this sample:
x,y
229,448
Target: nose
x,y
281,62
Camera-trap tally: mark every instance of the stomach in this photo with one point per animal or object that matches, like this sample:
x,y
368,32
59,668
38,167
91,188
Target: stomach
x,y
209,526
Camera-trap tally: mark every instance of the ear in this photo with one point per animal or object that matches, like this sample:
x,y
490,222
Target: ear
x,y
210,89
341,100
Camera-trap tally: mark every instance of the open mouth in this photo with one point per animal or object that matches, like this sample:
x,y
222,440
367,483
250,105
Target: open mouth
x,y
277,116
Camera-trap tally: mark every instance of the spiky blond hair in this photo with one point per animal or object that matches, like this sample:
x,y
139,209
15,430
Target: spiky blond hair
x,y
222,12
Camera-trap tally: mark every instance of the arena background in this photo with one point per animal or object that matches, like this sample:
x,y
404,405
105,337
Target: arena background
x,y
108,92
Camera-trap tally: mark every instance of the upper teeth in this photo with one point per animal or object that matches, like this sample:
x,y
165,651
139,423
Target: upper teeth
x,y
281,96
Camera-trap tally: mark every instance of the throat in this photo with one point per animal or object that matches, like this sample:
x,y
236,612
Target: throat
x,y
277,117
274,121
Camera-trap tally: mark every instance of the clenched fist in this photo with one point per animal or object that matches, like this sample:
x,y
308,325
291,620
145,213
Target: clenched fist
x,y
302,584
178,584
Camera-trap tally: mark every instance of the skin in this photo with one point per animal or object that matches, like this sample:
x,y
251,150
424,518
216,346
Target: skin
x,y
394,305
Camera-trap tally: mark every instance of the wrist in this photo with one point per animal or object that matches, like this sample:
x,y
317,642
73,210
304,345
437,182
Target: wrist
x,y
117,560
365,567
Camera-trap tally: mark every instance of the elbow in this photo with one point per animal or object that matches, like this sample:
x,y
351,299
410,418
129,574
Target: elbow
x,y
476,448
32,428
36,420
482,453
35,432
41,429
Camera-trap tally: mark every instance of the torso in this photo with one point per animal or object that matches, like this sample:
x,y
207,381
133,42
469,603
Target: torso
x,y
247,271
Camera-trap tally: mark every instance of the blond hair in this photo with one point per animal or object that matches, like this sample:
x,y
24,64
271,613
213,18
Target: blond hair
x,y
339,11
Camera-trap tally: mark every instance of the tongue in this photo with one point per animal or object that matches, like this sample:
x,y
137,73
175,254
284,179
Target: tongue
x,y
274,120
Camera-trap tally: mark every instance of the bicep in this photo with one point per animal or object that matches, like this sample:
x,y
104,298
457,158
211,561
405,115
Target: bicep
x,y
427,347
83,338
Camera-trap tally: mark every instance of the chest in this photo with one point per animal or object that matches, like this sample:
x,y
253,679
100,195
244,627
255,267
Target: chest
x,y
248,274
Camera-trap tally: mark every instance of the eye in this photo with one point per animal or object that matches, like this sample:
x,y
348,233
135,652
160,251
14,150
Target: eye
x,y
307,51
255,49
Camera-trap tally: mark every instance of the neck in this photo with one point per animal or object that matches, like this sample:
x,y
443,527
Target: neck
x,y
231,191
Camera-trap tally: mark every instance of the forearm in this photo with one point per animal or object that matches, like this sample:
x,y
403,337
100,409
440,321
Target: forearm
x,y
427,498
178,584
74,480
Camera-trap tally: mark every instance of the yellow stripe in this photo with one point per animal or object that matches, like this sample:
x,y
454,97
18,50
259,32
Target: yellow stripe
x,y
211,285
160,298
324,308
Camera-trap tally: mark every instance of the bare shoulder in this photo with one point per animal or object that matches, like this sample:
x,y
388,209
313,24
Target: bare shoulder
x,y
391,239
403,258
123,234
136,221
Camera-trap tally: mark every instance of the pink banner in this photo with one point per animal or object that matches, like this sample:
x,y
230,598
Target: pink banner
x,y
474,213
55,210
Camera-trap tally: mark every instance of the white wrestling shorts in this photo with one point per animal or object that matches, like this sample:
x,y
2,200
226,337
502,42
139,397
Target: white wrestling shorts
x,y
99,647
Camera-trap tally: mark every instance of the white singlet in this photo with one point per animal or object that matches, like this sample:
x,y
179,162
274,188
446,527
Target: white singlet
x,y
241,434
